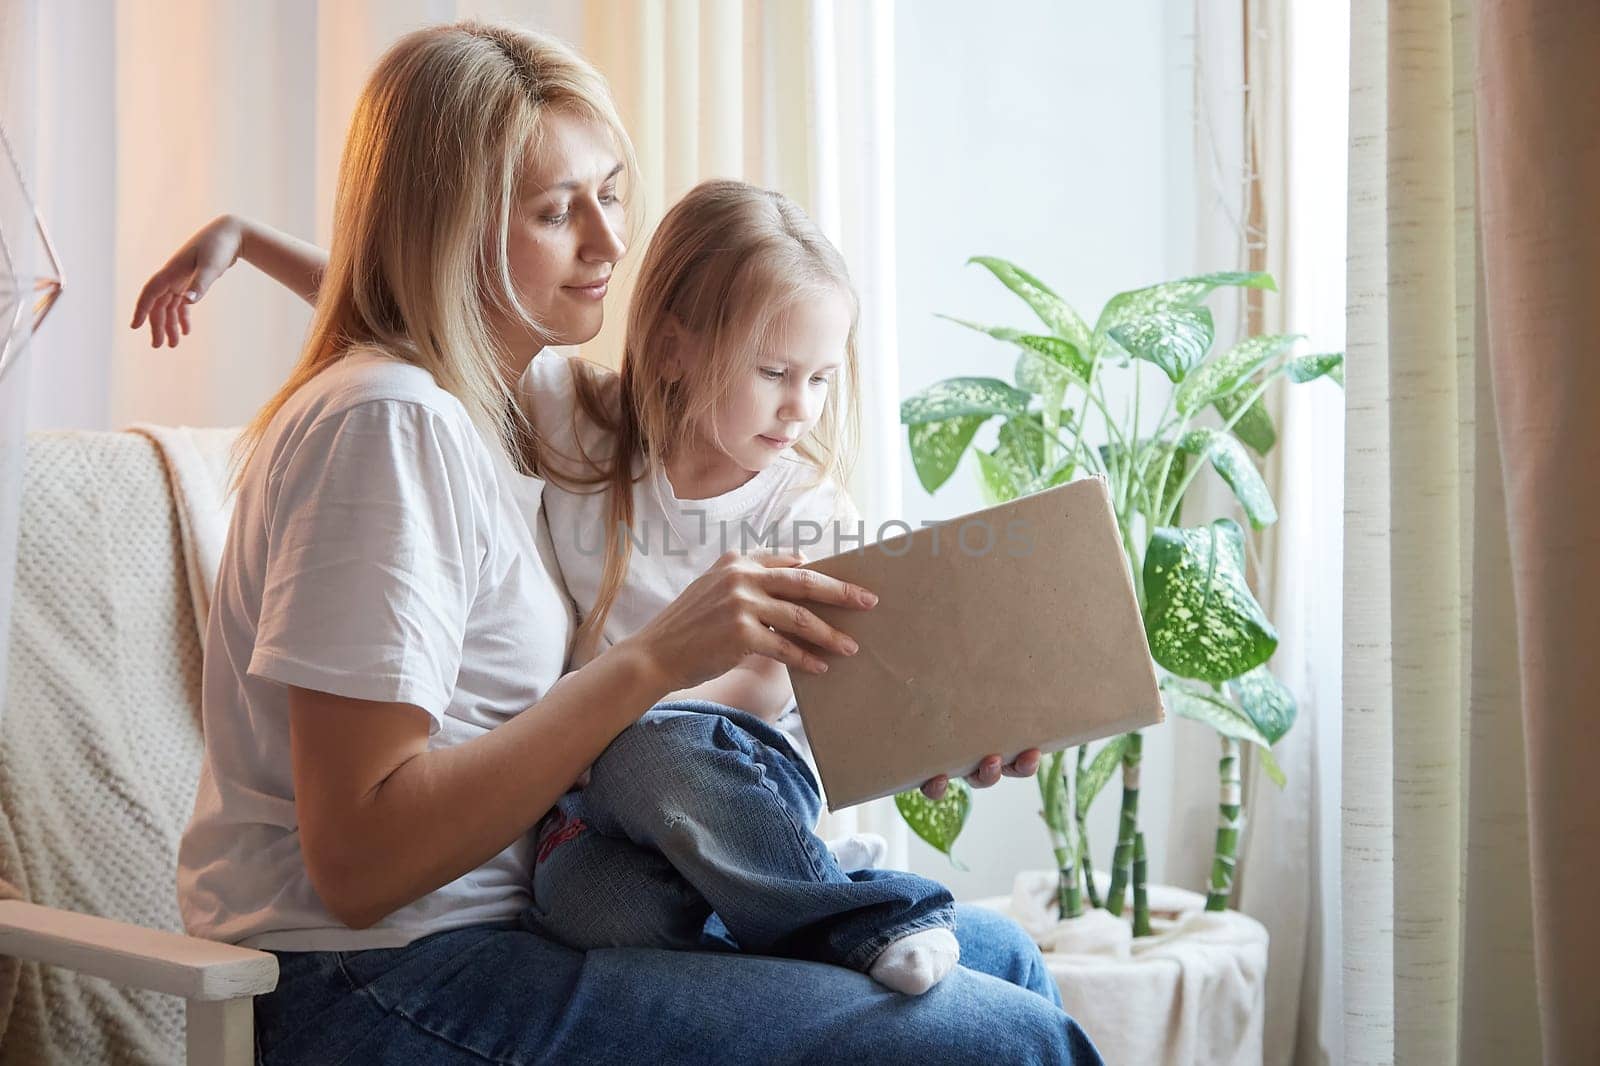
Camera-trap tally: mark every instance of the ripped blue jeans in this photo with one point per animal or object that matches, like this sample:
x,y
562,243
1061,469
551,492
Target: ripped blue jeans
x,y
700,812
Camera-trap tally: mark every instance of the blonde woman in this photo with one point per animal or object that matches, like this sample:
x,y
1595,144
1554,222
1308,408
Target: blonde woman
x,y
384,709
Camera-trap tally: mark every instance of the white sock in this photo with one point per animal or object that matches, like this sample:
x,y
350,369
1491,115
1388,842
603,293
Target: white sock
x,y
858,851
913,964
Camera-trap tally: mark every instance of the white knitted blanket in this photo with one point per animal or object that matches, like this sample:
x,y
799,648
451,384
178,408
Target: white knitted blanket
x,y
1192,994
100,740
197,471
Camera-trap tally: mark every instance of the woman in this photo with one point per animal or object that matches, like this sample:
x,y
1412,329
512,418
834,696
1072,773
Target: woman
x,y
385,715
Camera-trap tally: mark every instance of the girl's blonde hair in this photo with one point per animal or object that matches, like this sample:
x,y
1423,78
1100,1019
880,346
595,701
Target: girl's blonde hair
x,y
725,265
418,264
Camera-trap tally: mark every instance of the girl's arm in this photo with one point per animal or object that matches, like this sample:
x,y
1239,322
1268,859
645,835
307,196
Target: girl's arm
x,y
758,686
295,264
164,301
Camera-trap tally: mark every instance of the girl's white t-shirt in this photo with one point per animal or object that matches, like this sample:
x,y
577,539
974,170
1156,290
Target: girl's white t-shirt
x,y
674,541
383,549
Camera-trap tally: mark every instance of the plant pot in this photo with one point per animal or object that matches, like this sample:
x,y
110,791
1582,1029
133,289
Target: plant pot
x,y
1194,991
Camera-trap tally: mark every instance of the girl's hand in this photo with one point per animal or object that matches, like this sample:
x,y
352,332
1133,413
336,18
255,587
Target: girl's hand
x,y
988,772
747,605
164,301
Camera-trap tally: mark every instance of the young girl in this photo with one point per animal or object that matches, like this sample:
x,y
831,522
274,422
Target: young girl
x,y
726,428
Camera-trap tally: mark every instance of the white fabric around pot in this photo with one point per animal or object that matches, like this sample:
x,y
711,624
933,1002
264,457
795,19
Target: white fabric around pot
x,y
1192,992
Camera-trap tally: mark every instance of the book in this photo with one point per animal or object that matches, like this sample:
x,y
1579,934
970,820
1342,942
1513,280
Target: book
x,y
1010,628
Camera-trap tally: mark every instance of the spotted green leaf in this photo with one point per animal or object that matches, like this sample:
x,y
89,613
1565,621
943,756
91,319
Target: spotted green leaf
x,y
1267,701
998,479
1094,777
1311,367
1176,338
1057,349
938,822
1216,712
1044,377
956,397
1063,353
1052,310
1254,427
1189,702
1127,306
1230,460
937,447
1200,617
1022,443
1224,375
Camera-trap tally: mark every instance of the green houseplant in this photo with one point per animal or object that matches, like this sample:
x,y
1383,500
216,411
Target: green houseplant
x,y
1207,632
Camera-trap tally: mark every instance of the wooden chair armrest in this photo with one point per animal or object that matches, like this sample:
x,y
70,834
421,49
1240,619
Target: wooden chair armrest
x,y
131,955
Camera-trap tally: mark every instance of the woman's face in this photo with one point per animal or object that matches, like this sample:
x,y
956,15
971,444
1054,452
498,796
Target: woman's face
x,y
566,232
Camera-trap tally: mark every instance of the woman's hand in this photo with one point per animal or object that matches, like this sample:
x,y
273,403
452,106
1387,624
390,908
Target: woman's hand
x,y
164,301
748,605
988,772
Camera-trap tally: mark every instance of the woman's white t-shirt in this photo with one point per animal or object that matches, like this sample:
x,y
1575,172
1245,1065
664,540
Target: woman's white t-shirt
x,y
382,549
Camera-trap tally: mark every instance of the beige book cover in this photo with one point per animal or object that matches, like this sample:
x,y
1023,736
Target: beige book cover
x,y
1005,629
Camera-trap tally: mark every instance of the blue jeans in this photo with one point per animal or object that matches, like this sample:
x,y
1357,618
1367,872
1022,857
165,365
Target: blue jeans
x,y
698,808
509,996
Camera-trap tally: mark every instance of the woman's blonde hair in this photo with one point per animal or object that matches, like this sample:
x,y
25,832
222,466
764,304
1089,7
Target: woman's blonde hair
x,y
418,263
728,261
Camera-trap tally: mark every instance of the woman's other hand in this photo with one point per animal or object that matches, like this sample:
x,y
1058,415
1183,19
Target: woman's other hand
x,y
164,301
989,771
748,605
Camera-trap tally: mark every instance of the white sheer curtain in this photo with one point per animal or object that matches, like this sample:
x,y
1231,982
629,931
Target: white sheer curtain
x,y
1270,150
1298,77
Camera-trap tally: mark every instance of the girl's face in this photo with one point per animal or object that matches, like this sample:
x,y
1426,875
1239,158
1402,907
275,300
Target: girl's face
x,y
566,233
782,394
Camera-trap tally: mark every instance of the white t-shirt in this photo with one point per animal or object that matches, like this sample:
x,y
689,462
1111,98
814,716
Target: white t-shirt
x,y
674,541
381,548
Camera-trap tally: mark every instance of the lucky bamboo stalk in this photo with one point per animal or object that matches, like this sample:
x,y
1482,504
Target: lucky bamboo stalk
x,y
1091,890
1229,824
1141,895
1085,859
1127,827
1056,786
